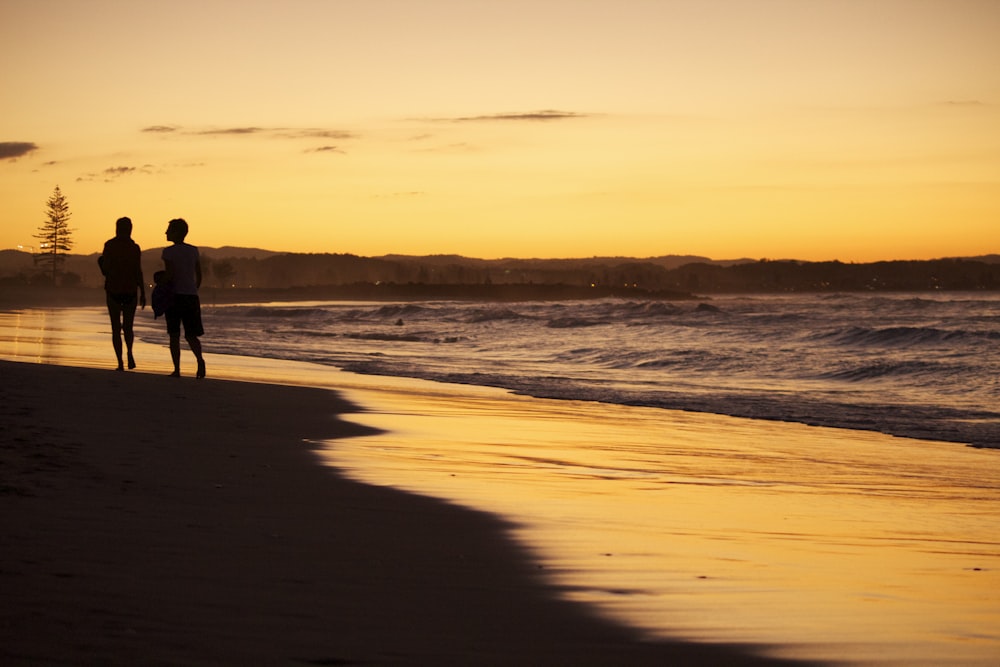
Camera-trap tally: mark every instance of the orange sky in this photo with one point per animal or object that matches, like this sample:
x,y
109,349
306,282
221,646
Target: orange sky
x,y
812,129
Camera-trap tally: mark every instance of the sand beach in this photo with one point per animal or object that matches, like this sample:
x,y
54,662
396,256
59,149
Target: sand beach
x,y
153,521
280,513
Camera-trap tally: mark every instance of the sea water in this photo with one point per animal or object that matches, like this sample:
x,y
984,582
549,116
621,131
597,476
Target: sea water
x,y
922,365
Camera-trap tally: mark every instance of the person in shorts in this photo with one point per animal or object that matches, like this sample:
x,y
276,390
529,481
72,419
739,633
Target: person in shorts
x,y
121,264
182,268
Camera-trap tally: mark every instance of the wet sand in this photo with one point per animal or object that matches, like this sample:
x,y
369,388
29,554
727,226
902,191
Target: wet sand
x,y
150,520
824,544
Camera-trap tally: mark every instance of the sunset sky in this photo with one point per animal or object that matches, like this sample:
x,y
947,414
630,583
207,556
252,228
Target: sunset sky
x,y
810,129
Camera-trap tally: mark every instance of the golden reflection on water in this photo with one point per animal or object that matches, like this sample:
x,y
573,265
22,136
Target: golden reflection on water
x,y
833,544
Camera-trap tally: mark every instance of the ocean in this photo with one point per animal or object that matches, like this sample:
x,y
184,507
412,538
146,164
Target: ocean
x,y
921,365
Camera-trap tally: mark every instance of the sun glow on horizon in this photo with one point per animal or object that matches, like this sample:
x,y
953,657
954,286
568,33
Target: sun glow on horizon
x,y
812,131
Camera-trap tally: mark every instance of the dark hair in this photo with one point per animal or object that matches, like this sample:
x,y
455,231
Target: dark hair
x,y
123,224
179,224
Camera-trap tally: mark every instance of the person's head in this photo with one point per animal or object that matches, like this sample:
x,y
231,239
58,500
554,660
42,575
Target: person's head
x,y
177,230
123,227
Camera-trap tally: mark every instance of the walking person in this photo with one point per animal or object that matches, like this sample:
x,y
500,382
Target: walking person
x,y
182,269
121,264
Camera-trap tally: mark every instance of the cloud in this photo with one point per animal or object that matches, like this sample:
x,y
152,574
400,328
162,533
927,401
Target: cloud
x,y
111,174
176,129
237,131
11,150
313,133
545,115
254,131
325,149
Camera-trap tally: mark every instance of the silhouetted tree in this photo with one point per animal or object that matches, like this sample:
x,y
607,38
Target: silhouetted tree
x,y
223,271
55,235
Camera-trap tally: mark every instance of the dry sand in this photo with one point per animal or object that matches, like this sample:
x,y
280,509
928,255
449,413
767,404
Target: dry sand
x,y
148,520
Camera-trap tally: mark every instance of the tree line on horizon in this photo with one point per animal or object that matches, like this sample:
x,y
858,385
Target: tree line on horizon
x,y
234,268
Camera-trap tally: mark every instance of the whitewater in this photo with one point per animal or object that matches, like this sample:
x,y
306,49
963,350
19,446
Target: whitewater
x,y
922,365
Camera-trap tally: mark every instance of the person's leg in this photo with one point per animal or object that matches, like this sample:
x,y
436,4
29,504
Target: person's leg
x,y
128,321
193,329
175,353
174,332
195,344
115,313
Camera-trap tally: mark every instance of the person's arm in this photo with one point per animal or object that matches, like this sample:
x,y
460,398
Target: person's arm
x,y
142,289
100,260
141,280
197,273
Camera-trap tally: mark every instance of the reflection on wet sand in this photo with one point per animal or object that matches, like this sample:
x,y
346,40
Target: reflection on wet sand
x,y
52,336
839,545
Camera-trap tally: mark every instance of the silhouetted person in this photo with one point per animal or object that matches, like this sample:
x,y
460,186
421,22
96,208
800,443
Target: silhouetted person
x,y
183,273
121,264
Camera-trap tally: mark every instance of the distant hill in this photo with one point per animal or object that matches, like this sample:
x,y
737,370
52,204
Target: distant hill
x,y
223,252
667,261
254,268
234,251
987,259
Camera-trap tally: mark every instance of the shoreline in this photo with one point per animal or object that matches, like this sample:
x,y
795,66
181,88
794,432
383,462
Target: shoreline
x,y
908,421
20,297
150,520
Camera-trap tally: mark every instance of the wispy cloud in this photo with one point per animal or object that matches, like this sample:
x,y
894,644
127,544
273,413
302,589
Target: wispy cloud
x,y
965,103
112,174
252,131
232,131
545,115
326,149
11,150
312,133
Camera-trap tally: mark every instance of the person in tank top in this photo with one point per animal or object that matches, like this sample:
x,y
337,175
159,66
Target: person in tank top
x,y
182,268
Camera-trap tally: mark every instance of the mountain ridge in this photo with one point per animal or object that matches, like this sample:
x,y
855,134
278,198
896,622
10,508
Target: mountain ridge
x,y
249,268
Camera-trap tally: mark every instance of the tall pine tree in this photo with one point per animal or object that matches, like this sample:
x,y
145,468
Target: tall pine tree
x,y
55,235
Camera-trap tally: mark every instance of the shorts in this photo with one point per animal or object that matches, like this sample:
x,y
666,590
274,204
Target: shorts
x,y
121,300
121,308
186,309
